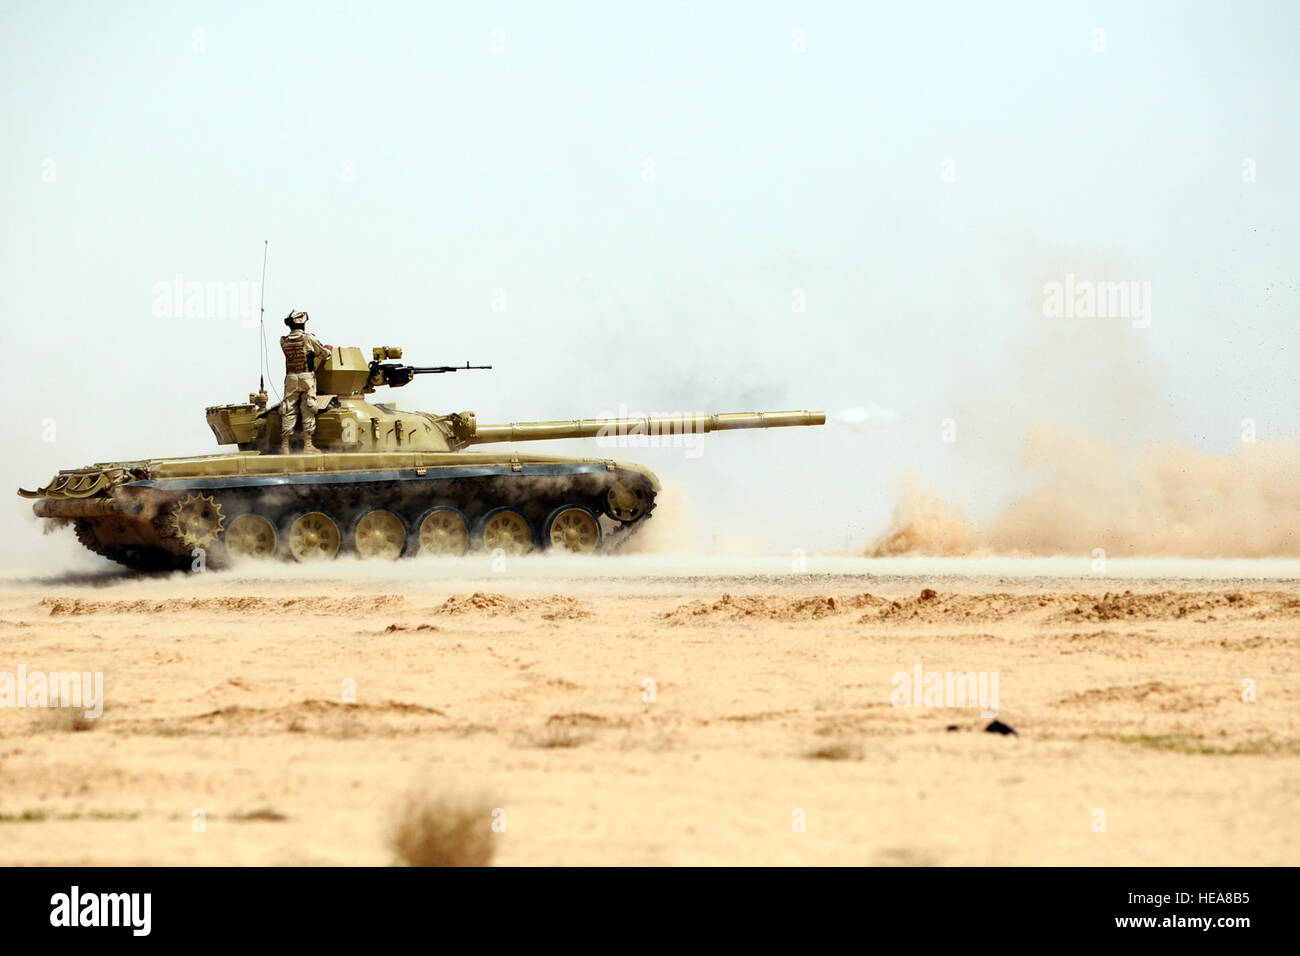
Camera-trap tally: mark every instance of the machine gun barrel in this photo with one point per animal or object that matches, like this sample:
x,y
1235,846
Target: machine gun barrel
x,y
437,369
395,376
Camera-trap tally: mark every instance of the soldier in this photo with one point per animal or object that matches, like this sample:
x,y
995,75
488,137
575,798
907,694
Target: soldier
x,y
300,351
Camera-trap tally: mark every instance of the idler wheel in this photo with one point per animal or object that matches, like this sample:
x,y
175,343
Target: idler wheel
x,y
625,502
379,534
507,529
444,532
572,528
314,537
251,536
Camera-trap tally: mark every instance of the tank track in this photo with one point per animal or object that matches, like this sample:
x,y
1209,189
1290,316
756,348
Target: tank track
x,y
535,497
137,559
474,497
617,539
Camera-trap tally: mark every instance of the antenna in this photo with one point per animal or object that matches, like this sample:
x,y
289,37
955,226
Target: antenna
x,y
261,348
262,366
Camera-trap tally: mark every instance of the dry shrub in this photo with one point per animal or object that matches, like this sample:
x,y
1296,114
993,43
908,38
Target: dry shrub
x,y
442,832
261,814
554,737
835,752
65,720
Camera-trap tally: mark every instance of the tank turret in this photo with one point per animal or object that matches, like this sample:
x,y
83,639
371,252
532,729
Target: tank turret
x,y
390,483
347,423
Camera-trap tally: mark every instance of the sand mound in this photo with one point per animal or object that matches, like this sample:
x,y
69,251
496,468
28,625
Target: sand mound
x,y
318,604
584,720
1151,694
927,606
315,717
555,607
768,607
931,607
1174,605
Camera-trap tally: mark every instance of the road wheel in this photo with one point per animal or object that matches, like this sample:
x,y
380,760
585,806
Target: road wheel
x,y
572,528
444,532
313,536
507,529
251,536
379,534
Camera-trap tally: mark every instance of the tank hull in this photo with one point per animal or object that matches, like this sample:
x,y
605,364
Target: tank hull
x,y
172,513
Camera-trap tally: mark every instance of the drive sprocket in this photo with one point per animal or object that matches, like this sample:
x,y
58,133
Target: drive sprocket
x,y
197,520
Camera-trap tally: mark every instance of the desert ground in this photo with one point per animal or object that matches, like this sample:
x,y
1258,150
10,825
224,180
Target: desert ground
x,y
654,710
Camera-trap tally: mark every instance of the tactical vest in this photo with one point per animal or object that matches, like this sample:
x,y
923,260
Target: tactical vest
x,y
295,352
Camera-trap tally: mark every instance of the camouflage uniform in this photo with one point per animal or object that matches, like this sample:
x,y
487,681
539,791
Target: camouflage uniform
x,y
299,383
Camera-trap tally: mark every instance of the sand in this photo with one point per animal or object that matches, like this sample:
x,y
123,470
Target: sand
x,y
526,691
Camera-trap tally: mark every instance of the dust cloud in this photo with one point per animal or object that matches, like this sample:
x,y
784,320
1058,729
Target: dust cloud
x,y
1163,500
1071,436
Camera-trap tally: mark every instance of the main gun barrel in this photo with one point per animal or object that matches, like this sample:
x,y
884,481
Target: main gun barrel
x,y
655,425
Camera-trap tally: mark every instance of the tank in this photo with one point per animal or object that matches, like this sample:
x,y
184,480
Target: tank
x,y
386,483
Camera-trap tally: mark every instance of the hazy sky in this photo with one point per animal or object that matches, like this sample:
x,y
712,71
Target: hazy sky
x,y
625,204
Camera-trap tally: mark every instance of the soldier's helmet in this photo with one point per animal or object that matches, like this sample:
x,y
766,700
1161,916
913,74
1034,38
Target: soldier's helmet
x,y
295,318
